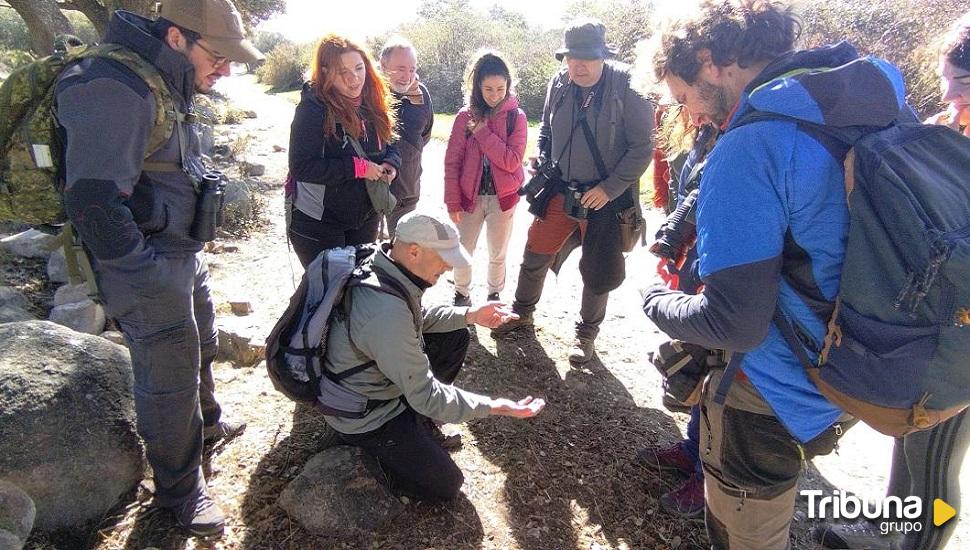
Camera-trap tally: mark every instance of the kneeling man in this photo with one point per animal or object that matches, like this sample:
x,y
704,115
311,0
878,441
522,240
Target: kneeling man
x,y
417,356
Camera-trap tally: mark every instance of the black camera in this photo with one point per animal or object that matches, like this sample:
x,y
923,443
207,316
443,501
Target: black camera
x,y
208,207
546,172
678,232
573,201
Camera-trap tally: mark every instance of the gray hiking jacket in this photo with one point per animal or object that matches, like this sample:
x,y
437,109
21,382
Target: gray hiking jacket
x,y
383,329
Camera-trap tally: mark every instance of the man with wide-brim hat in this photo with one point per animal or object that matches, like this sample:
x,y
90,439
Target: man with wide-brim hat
x,y
585,39
132,167
598,131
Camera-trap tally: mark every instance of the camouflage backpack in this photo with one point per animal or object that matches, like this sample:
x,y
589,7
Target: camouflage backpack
x,y
31,179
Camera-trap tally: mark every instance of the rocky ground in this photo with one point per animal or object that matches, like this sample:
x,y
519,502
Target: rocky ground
x,y
565,479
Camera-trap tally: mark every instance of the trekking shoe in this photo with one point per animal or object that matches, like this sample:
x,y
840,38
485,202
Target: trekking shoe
x,y
461,300
222,430
493,297
673,405
686,501
860,534
448,442
673,457
509,328
200,515
582,350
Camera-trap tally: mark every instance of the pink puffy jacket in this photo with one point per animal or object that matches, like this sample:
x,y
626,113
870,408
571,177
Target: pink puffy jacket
x,y
464,164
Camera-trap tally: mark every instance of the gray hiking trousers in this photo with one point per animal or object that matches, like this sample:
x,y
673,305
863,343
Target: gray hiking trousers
x,y
168,320
532,277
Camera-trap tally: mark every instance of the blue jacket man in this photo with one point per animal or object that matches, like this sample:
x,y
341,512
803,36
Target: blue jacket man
x,y
135,215
772,222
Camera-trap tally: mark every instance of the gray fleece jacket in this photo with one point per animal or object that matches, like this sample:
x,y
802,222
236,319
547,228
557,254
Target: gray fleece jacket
x,y
383,329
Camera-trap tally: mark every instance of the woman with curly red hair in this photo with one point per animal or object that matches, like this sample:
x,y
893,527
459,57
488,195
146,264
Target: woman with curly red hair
x,y
342,136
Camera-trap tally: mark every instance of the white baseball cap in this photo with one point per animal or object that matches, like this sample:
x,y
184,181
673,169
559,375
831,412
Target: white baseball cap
x,y
435,232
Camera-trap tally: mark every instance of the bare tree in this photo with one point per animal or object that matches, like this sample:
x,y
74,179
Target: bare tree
x,y
44,21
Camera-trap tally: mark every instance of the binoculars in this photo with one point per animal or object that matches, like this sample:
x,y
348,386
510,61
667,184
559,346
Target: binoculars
x,y
208,207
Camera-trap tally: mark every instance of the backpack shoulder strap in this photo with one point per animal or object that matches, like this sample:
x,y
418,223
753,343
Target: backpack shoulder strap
x,y
167,116
510,120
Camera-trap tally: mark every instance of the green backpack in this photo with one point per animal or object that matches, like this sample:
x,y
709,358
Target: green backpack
x,y
30,150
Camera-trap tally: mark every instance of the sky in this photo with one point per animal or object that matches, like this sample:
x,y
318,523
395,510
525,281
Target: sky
x,y
306,20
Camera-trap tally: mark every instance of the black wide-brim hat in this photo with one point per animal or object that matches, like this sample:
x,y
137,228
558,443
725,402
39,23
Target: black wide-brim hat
x,y
585,40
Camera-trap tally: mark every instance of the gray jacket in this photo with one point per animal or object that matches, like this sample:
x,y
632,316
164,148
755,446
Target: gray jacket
x,y
383,329
622,123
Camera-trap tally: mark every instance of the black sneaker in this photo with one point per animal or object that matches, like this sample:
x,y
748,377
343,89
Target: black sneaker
x,y
199,515
493,297
461,300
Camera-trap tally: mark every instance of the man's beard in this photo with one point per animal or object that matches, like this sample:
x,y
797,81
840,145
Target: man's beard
x,y
715,98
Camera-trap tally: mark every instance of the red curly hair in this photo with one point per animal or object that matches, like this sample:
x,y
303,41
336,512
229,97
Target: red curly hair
x,y
376,96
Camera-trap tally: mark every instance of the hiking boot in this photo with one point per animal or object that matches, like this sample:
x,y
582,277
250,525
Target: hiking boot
x,y
510,328
199,515
860,534
493,297
582,350
222,430
674,457
673,405
461,300
686,501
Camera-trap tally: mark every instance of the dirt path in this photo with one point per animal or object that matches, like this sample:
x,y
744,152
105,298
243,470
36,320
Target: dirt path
x,y
562,480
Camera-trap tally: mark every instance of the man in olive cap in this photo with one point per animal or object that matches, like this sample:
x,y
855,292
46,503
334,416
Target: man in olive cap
x,y
598,131
132,198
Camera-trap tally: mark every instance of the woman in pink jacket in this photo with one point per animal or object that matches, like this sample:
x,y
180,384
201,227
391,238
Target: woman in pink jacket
x,y
483,168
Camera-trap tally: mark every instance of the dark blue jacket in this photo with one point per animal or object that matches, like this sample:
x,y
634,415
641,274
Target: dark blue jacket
x,y
414,124
773,193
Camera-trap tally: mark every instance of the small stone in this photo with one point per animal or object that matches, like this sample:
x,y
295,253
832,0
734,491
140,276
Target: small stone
x,y
29,244
253,169
250,114
12,297
69,294
676,542
278,149
13,314
115,337
87,316
241,308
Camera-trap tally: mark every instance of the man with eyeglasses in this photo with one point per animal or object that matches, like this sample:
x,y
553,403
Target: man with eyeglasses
x,y
399,62
135,214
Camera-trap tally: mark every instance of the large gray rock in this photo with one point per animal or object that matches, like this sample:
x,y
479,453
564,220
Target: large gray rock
x,y
17,513
13,314
67,424
84,316
13,297
337,494
57,267
29,244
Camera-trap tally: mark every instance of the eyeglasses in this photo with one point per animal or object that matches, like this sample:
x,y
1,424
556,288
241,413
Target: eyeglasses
x,y
219,61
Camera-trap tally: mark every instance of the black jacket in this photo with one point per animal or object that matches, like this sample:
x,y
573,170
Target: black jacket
x,y
414,124
324,168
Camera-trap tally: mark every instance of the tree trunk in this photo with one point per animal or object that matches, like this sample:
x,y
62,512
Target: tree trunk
x,y
44,21
141,7
96,13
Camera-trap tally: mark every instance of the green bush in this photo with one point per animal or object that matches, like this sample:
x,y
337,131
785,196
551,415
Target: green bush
x,y
285,66
11,59
901,31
